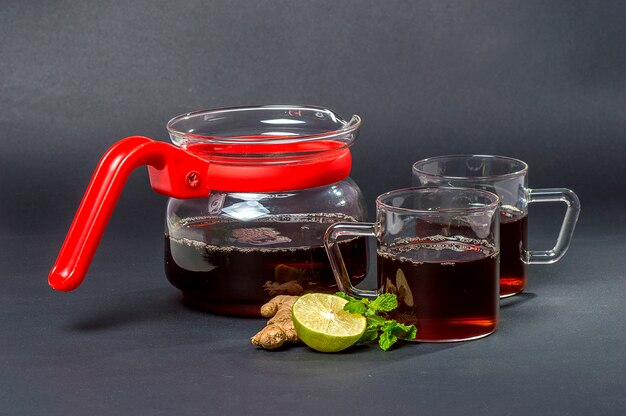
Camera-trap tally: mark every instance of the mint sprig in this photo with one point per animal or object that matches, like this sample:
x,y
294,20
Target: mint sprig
x,y
387,331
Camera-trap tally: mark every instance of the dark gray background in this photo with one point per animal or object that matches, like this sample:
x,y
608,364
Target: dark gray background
x,y
544,81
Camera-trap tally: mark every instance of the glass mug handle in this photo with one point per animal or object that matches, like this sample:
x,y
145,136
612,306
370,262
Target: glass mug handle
x,y
341,229
568,197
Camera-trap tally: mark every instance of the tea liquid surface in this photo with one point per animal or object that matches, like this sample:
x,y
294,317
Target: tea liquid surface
x,y
448,289
233,267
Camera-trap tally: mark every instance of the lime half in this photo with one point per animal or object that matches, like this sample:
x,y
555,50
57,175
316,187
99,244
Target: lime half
x,y
322,324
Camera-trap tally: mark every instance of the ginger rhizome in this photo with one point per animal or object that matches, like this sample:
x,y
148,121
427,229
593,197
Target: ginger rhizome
x,y
279,328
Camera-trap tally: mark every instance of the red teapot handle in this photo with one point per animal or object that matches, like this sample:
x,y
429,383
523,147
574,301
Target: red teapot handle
x,y
164,161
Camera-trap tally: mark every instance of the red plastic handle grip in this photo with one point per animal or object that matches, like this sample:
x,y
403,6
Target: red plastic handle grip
x,y
103,192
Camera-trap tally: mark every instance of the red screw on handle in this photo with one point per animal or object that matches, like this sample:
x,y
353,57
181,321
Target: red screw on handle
x,y
193,179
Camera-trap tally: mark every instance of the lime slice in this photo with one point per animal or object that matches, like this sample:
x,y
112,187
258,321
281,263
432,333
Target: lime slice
x,y
322,324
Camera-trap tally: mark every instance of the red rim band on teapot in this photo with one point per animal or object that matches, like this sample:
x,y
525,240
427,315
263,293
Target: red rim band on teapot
x,y
191,172
273,168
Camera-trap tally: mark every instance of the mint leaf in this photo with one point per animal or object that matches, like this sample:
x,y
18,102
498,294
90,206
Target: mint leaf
x,y
386,340
406,332
370,334
355,306
389,325
375,320
384,303
387,331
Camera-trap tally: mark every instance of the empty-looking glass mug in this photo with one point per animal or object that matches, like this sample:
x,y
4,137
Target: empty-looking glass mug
x,y
437,250
508,178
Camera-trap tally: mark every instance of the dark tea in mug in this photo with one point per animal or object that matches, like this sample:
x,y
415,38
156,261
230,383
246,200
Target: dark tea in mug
x,y
513,245
447,288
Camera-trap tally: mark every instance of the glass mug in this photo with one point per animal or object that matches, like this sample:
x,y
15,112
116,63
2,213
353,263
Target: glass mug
x,y
438,251
508,178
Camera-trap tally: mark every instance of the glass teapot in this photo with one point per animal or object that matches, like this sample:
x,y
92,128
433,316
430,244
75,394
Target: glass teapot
x,y
252,191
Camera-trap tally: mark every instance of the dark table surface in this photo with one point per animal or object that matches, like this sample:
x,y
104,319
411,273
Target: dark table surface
x,y
123,343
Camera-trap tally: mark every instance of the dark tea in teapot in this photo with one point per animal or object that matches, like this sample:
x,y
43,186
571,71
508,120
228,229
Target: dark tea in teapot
x,y
275,255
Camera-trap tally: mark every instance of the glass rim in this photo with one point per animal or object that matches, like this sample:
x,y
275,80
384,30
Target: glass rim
x,y
416,168
380,200
349,126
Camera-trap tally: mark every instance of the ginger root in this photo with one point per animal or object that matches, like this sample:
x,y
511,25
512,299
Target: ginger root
x,y
280,328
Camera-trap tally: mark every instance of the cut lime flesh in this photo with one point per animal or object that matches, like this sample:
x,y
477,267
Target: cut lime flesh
x,y
323,325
